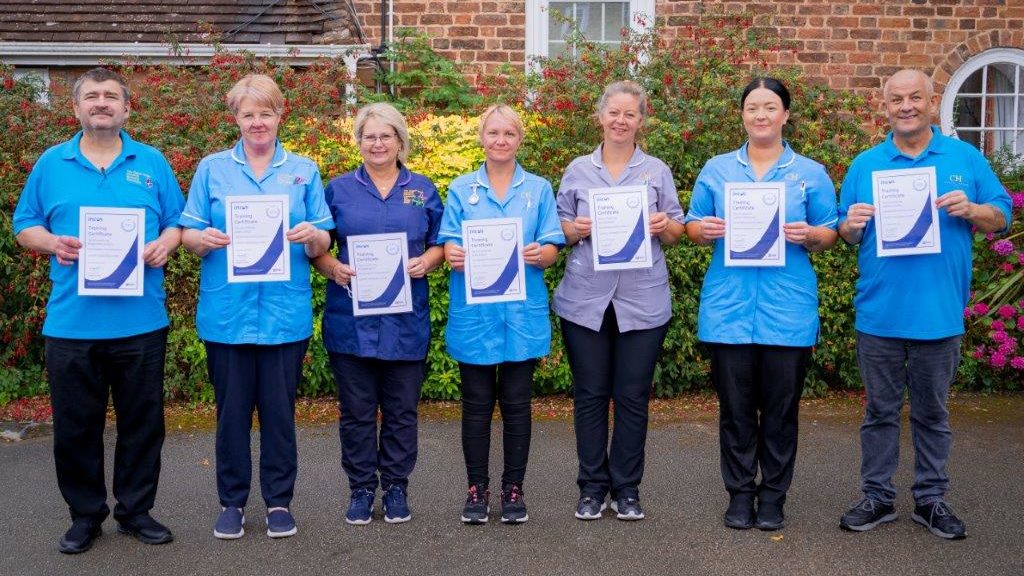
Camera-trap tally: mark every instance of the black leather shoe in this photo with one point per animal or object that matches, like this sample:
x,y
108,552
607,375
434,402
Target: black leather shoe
x,y
79,537
740,514
770,516
145,529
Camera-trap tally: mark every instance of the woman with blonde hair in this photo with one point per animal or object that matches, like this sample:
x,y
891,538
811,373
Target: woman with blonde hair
x,y
379,361
497,344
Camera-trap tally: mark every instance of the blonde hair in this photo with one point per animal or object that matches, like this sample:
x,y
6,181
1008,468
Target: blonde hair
x,y
389,115
623,87
259,88
505,112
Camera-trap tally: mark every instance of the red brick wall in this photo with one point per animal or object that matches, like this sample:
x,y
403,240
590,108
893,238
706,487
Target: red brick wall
x,y
850,44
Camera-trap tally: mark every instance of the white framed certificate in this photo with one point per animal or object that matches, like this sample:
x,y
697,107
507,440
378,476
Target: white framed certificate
x,y
110,260
754,215
258,251
620,232
494,269
381,284
906,219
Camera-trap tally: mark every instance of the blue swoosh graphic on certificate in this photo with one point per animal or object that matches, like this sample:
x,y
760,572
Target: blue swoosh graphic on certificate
x,y
501,285
633,243
390,293
263,265
122,272
917,232
757,251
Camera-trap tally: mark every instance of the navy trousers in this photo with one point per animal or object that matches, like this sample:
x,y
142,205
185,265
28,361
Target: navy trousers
x,y
364,386
249,377
81,374
609,365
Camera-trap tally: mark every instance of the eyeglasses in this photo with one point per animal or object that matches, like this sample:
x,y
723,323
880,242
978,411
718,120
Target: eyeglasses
x,y
370,139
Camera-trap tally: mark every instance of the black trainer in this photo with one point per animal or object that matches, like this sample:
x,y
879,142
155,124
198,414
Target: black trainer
x,y
740,513
79,537
770,516
866,514
939,519
513,506
477,505
145,529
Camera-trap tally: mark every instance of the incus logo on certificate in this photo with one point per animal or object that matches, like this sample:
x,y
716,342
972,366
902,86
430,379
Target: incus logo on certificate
x,y
258,251
906,219
381,284
620,232
754,215
110,261
494,270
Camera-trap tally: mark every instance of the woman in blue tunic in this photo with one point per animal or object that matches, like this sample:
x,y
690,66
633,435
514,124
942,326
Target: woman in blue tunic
x,y
759,323
379,361
497,344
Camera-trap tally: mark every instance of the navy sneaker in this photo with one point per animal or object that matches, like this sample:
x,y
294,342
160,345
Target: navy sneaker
x,y
867,514
79,537
360,507
939,519
229,524
628,508
590,508
513,506
280,523
477,506
396,506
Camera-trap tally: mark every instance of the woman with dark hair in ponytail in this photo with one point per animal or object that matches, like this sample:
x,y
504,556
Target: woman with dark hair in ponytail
x,y
760,322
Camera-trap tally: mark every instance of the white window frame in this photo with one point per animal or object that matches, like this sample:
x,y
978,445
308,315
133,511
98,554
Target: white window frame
x,y
537,21
43,74
1013,56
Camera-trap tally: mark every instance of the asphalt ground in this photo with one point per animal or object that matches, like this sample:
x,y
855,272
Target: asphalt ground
x,y
682,495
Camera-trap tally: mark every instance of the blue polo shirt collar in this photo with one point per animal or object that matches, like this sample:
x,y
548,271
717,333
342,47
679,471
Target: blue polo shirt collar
x,y
936,146
786,159
73,150
518,177
363,177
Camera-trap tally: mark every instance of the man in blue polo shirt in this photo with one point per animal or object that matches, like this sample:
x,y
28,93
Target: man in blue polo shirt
x,y
910,308
97,345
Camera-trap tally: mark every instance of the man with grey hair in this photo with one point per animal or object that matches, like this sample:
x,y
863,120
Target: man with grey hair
x,y
910,306
109,344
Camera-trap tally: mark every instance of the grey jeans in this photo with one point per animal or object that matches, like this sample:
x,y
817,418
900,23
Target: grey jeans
x,y
925,368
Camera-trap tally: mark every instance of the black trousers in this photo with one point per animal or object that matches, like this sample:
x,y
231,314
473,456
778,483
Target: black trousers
x,y
249,377
81,374
609,365
759,390
364,386
510,384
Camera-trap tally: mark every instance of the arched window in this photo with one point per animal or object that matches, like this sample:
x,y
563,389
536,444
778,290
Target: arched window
x,y
984,101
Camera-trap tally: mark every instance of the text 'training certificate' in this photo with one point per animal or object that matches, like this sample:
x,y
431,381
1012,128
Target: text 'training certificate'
x,y
494,271
906,219
754,215
620,233
110,261
258,251
381,284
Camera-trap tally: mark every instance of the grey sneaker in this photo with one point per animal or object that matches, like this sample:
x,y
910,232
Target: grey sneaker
x,y
866,514
590,508
939,519
628,508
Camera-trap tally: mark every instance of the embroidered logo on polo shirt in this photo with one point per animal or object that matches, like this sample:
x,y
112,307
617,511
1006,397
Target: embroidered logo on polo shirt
x,y
414,197
792,176
292,179
956,179
136,177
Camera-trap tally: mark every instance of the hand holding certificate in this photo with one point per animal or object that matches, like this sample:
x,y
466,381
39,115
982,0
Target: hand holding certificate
x,y
381,284
258,251
494,268
622,239
110,260
906,218
754,215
